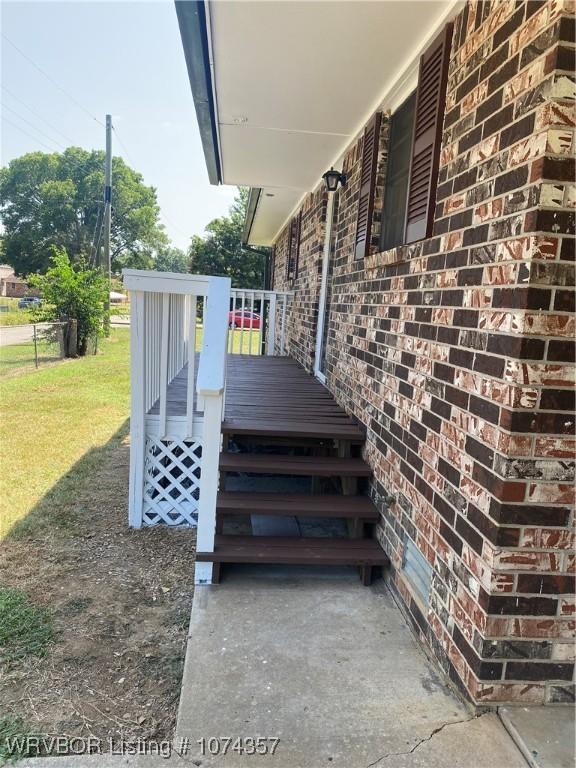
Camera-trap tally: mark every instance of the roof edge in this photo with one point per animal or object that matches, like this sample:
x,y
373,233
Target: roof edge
x,y
194,33
253,200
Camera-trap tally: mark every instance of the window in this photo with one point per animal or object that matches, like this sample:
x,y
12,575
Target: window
x,y
417,569
413,157
397,174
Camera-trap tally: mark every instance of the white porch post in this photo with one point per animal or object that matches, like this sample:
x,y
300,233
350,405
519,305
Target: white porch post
x,y
210,386
137,433
271,325
208,484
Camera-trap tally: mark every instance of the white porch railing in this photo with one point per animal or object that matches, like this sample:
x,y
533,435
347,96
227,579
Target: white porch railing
x,y
178,394
257,322
171,442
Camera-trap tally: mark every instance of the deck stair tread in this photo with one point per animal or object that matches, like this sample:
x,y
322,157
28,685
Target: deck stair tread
x,y
289,427
292,550
297,505
312,466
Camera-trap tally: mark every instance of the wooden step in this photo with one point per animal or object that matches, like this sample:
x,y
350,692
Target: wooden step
x,y
284,550
297,505
292,425
312,466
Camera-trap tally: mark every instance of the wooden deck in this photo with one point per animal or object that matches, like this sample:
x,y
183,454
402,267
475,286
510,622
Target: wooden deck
x,y
272,396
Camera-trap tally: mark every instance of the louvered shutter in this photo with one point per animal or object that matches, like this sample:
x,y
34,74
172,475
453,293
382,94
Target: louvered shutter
x,y
367,184
271,277
298,227
289,262
293,248
430,102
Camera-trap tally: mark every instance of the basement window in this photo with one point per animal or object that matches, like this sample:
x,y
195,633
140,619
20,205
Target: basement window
x,y
417,569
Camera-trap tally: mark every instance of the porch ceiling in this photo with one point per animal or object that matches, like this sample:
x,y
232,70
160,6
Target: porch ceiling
x,y
293,83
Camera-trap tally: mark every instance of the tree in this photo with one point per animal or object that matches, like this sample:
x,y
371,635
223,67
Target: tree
x,y
55,199
221,251
170,259
73,291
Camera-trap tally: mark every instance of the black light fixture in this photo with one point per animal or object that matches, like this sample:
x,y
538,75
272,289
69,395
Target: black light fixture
x,y
332,178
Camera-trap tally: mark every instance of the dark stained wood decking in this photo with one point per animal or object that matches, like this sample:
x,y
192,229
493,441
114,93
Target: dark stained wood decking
x,y
275,396
272,396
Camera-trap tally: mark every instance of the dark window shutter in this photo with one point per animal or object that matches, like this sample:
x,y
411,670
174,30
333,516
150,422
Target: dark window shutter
x,y
293,248
271,276
289,262
367,184
297,244
430,102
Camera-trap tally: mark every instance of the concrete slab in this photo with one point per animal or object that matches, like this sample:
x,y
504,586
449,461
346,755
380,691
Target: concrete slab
x,y
545,735
103,761
332,670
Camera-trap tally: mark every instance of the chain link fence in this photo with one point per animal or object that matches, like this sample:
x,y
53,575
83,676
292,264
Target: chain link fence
x,y
30,346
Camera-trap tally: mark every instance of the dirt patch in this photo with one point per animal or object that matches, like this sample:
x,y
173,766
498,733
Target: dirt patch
x,y
120,601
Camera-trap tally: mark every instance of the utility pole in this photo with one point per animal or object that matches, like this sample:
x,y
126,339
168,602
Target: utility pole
x,y
107,266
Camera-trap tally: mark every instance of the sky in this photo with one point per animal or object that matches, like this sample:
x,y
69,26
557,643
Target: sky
x,y
121,58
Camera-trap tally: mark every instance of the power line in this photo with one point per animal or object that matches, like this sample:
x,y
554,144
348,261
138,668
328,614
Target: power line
x,y
51,79
123,146
68,160
6,120
37,114
42,133
133,164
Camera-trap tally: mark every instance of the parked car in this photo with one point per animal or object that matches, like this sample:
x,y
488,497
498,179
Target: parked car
x,y
26,302
239,319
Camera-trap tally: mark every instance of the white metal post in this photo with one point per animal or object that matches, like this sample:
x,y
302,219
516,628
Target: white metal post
x,y
137,436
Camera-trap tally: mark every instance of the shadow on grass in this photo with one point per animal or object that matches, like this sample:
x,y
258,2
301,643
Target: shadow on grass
x,y
61,505
117,599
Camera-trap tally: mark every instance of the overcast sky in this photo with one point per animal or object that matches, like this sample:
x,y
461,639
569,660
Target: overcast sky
x,y
124,58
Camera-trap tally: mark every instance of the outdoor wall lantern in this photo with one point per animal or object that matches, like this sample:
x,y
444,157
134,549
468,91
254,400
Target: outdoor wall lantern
x,y
332,178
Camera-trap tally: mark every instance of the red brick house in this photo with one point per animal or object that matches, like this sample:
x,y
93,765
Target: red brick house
x,y
433,292
10,285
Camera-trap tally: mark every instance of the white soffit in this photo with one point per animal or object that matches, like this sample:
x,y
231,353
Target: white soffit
x,y
274,205
295,81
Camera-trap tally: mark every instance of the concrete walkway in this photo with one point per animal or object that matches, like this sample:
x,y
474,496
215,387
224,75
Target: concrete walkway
x,y
330,669
545,735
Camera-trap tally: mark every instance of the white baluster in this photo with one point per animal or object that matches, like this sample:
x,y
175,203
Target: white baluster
x,y
164,351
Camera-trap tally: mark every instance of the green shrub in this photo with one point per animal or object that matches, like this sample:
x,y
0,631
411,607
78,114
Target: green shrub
x,y
74,291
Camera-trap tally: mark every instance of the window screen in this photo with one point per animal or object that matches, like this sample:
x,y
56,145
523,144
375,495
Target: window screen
x,y
396,190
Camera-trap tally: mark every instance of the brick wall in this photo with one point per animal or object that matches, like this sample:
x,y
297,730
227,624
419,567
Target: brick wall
x,y
303,313
457,354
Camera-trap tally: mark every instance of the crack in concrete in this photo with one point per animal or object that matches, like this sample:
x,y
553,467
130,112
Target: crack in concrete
x,y
423,741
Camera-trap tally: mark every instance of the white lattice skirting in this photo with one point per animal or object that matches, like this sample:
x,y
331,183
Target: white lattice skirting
x,y
171,482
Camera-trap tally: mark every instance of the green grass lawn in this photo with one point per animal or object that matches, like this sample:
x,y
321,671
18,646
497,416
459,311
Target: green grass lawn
x,y
51,417
16,357
244,340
